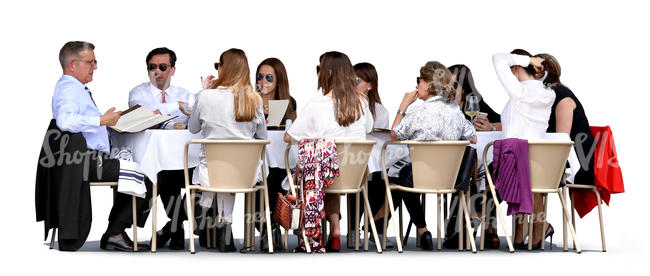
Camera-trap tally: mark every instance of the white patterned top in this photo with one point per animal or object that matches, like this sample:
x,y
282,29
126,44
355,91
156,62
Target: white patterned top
x,y
435,120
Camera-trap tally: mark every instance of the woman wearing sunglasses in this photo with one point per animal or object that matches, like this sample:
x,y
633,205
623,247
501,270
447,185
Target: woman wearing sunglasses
x,y
227,109
437,119
272,84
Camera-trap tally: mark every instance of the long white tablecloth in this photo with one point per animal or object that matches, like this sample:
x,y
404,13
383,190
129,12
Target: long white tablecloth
x,y
159,149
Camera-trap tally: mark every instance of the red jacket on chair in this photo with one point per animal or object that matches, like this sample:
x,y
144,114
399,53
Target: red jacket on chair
x,y
608,177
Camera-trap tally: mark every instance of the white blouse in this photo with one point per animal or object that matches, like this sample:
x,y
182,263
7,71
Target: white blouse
x,y
526,114
317,120
382,118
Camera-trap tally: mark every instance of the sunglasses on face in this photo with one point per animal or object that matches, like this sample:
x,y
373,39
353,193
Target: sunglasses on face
x,y
357,80
216,65
317,69
418,80
163,67
261,76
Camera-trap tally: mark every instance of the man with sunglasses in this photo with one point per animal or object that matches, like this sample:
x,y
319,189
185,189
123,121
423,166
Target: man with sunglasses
x,y
75,111
158,94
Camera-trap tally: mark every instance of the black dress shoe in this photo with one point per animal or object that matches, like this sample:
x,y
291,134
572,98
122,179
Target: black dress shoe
x,y
426,241
451,242
226,241
177,241
120,242
163,235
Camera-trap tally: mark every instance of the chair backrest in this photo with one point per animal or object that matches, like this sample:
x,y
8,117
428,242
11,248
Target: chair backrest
x,y
232,164
353,160
436,164
547,163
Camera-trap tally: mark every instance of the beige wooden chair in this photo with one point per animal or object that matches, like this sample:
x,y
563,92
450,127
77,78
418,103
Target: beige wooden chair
x,y
232,168
547,163
591,188
435,168
134,214
353,159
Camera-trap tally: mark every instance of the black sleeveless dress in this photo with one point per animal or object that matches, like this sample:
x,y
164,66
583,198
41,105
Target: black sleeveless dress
x,y
580,134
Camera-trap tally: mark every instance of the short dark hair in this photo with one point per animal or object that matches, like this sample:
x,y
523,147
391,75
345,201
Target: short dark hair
x,y
162,51
72,48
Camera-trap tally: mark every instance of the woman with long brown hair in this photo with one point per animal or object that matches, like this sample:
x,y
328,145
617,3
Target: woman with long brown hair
x,y
339,113
228,108
368,85
272,84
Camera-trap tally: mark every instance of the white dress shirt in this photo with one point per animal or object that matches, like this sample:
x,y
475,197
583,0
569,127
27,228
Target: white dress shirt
x,y
526,114
149,96
317,120
75,111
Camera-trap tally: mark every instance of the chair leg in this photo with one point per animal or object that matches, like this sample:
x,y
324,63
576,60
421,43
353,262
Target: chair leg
x,y
267,217
356,221
600,218
190,221
391,208
573,232
304,238
483,223
469,210
154,218
262,221
438,213
501,218
460,222
573,215
545,224
385,226
370,221
215,222
530,218
134,214
52,238
565,246
468,225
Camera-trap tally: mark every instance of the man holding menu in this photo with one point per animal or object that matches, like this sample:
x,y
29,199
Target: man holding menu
x,y
75,111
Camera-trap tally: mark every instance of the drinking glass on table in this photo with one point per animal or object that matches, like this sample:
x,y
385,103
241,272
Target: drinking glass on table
x,y
471,106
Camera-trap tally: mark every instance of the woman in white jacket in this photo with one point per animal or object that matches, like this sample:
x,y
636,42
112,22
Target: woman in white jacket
x,y
525,116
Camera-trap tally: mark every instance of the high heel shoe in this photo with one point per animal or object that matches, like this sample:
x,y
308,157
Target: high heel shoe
x,y
333,244
549,233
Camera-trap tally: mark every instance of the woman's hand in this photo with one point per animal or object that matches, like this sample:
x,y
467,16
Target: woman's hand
x,y
482,124
207,81
537,63
408,99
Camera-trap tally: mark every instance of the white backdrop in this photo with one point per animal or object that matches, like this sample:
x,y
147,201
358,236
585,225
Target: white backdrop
x,y
600,45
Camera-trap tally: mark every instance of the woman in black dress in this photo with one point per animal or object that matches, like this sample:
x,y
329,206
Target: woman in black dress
x,y
568,116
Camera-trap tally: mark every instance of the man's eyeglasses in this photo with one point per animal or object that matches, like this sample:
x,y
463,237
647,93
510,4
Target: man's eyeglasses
x,y
261,76
90,62
163,67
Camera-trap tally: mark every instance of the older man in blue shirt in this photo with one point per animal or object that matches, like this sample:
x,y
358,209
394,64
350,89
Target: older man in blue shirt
x,y
75,111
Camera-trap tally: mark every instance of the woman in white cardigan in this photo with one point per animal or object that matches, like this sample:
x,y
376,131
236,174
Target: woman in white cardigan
x,y
525,116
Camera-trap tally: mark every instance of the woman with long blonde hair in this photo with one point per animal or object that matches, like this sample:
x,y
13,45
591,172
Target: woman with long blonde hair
x,y
228,108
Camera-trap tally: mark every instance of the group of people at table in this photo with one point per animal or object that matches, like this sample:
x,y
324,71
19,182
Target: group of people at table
x,y
349,107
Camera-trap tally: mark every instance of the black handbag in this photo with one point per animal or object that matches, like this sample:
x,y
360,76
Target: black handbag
x,y
466,171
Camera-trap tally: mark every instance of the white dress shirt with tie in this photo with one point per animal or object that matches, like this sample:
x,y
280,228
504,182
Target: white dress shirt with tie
x,y
75,111
149,96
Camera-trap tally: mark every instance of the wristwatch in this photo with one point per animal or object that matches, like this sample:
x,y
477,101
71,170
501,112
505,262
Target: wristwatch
x,y
401,112
494,127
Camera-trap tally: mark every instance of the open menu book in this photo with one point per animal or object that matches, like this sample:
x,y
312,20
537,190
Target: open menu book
x,y
139,118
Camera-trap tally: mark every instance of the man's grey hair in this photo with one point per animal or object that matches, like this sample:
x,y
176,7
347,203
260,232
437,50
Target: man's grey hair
x,y
72,49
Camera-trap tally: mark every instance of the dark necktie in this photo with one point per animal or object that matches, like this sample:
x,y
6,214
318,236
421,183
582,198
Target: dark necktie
x,y
91,96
